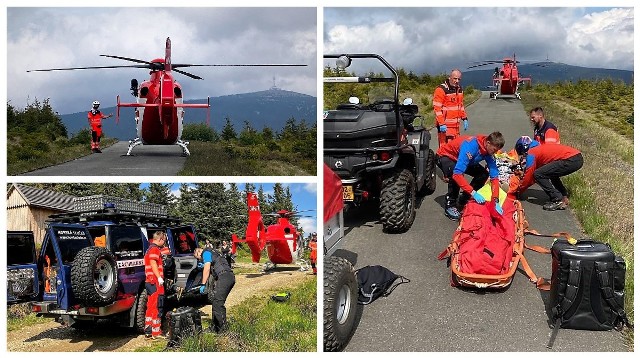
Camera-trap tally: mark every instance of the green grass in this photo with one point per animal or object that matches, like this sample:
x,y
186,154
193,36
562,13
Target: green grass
x,y
260,324
54,156
222,159
20,316
602,191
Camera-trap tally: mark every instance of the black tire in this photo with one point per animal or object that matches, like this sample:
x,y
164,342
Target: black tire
x,y
141,311
398,201
340,302
94,277
430,178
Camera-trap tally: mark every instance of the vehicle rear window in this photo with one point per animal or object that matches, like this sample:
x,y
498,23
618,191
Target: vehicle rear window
x,y
20,249
184,240
71,241
126,242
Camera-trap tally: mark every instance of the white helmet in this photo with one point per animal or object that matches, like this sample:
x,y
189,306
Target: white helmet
x,y
96,103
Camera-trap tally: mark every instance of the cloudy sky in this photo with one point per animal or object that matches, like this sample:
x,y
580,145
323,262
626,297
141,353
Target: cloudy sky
x,y
41,38
303,195
435,40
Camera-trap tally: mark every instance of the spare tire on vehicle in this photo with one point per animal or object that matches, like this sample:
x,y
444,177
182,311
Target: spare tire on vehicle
x,y
94,278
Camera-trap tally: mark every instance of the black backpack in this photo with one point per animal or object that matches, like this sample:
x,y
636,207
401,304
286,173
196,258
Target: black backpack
x,y
376,281
587,287
184,322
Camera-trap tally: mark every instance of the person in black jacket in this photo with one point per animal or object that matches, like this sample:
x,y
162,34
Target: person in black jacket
x,y
225,249
216,265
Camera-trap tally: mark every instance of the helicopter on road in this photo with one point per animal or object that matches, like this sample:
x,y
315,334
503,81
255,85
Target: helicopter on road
x,y
506,80
159,106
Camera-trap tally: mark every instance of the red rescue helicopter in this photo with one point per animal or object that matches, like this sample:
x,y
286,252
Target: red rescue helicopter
x,y
159,102
505,80
282,240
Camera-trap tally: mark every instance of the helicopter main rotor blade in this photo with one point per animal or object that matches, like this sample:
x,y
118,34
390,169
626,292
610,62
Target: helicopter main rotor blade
x,y
178,65
188,74
129,59
87,68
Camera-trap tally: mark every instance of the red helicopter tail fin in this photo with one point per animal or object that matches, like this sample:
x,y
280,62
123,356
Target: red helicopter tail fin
x,y
167,56
255,235
234,243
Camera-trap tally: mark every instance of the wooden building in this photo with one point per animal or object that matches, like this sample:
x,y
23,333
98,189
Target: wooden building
x,y
29,207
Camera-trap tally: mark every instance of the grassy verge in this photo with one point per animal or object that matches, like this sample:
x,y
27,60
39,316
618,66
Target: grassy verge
x,y
220,159
55,155
20,316
602,191
260,324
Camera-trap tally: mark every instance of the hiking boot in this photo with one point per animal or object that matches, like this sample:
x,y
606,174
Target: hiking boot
x,y
554,205
98,150
452,213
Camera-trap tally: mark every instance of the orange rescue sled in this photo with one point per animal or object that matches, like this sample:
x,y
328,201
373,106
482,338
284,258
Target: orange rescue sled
x,y
491,264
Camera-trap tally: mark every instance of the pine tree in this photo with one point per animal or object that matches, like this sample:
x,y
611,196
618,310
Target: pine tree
x,y
228,132
159,193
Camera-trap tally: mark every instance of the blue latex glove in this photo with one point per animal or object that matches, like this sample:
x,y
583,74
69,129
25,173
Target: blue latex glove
x,y
477,197
499,208
202,288
465,124
442,128
200,265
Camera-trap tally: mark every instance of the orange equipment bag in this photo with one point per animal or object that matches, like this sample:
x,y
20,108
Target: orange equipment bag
x,y
488,247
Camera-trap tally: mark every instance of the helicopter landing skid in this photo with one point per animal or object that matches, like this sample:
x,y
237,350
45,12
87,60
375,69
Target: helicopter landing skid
x,y
183,144
268,266
304,265
132,144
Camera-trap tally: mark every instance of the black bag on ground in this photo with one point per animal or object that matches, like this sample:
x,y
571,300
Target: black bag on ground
x,y
376,281
184,322
587,287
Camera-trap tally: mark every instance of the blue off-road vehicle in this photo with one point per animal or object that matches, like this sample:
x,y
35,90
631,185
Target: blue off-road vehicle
x,y
91,266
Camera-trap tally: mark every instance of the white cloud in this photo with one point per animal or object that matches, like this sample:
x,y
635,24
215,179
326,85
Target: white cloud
x,y
311,188
40,38
308,225
435,40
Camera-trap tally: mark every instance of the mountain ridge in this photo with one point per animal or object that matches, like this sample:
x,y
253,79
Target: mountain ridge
x,y
267,108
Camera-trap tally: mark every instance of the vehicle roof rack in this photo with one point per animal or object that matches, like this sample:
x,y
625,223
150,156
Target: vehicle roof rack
x,y
114,215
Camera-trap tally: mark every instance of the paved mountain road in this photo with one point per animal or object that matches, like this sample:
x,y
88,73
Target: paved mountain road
x,y
428,314
146,160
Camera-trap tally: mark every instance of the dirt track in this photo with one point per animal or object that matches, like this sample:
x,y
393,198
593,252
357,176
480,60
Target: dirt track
x,y
53,337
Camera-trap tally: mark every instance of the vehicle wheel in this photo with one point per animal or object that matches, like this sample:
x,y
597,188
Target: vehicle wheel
x,y
430,180
398,201
93,276
141,310
340,300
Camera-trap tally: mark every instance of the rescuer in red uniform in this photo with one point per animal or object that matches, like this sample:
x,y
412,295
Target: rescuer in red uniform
x,y
154,284
448,105
543,130
95,118
545,164
313,256
463,156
